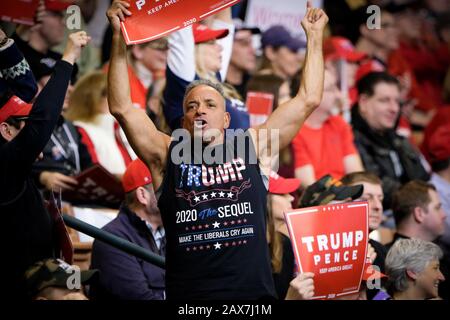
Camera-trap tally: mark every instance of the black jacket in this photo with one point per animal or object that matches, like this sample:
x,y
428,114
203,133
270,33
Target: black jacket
x,y
26,235
377,152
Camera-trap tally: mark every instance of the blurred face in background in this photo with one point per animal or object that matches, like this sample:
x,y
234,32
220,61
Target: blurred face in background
x,y
285,62
281,203
52,28
373,194
209,56
408,25
152,55
438,6
243,55
331,95
387,36
381,110
434,221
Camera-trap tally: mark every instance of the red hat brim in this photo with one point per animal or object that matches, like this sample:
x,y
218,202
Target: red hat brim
x,y
205,34
283,185
15,107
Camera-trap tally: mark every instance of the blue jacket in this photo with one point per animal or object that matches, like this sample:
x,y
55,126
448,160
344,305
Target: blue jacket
x,y
123,276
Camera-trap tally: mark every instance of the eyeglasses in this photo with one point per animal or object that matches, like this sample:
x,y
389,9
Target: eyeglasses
x,y
158,45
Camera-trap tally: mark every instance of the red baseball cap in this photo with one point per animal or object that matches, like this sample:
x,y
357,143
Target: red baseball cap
x,y
280,185
202,33
57,5
15,107
368,67
341,48
439,143
136,175
370,272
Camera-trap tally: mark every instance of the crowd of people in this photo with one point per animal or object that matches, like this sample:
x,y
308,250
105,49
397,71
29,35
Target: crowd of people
x,y
360,114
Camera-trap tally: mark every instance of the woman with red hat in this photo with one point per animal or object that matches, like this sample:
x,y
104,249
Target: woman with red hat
x,y
282,256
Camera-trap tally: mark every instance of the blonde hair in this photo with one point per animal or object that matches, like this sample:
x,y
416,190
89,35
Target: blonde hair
x,y
87,96
229,91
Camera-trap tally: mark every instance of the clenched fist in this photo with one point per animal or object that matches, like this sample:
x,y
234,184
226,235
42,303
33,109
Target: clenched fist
x,y
315,20
76,42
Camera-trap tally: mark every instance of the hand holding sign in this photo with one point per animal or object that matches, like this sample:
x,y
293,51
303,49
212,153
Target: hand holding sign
x,y
146,20
302,287
331,242
117,13
315,19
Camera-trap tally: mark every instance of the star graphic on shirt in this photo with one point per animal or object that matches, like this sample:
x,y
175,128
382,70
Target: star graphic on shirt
x,y
213,194
216,224
205,197
230,195
197,199
221,194
217,245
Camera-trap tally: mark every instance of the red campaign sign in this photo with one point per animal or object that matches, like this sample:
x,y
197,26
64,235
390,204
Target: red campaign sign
x,y
260,105
153,19
96,186
19,11
331,242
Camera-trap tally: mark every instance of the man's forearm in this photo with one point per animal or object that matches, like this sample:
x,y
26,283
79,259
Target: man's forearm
x,y
311,86
118,85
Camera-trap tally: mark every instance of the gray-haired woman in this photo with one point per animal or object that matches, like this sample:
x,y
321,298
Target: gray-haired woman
x,y
412,267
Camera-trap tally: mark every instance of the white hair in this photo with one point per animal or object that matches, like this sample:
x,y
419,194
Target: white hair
x,y
408,254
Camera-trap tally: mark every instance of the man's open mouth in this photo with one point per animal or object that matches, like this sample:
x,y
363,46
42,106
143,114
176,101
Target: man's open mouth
x,y
200,123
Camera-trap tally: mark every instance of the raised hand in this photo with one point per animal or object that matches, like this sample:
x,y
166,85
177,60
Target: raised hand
x,y
117,13
315,19
75,43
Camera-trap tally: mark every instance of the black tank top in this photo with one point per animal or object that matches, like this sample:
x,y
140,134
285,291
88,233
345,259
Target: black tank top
x,y
215,221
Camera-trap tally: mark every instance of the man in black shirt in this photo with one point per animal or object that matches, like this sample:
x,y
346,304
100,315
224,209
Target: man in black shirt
x,y
24,131
214,213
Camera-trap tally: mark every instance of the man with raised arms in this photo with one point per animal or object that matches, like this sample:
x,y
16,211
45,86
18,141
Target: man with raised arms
x,y
193,194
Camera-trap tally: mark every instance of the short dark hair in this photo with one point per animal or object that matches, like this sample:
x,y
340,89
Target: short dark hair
x,y
366,85
409,196
361,176
14,122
